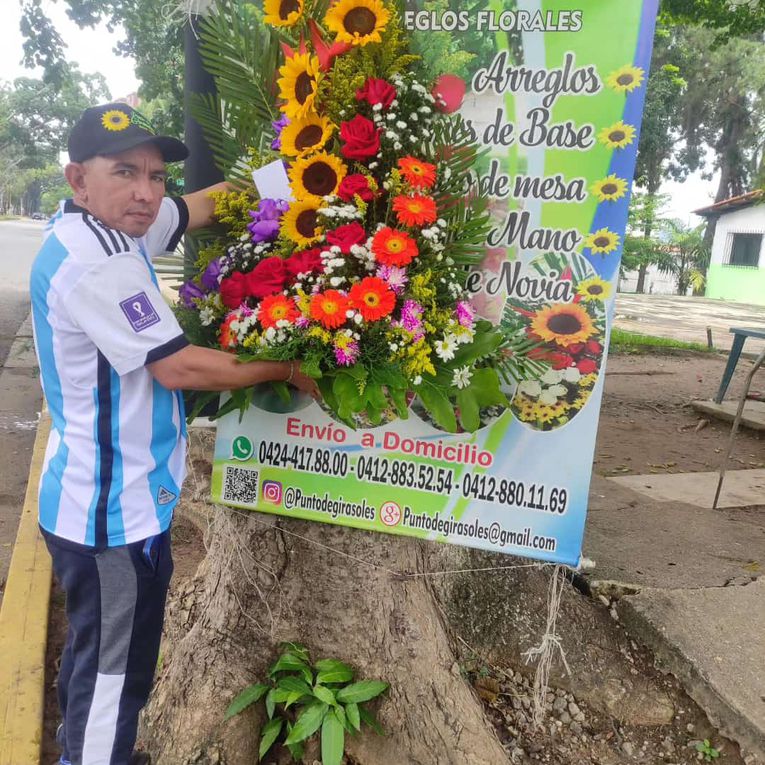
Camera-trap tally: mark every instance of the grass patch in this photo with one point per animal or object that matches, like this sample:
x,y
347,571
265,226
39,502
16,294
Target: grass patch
x,y
631,342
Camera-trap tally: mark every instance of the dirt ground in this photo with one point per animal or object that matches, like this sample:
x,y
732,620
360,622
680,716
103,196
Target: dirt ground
x,y
646,425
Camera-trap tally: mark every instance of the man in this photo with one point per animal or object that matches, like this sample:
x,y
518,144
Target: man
x,y
113,361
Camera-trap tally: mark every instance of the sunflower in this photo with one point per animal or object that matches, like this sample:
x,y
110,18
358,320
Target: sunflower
x,y
626,79
610,188
299,223
317,176
283,13
306,135
602,241
394,248
563,323
420,175
372,298
115,119
329,308
357,22
276,308
617,136
416,210
594,289
299,84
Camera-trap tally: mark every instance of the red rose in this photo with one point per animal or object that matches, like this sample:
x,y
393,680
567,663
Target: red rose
x,y
362,138
561,361
376,91
234,289
305,262
575,348
346,236
355,184
587,366
267,278
593,346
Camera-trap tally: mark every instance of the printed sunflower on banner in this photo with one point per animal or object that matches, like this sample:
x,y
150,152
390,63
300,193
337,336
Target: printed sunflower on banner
x,y
569,339
359,271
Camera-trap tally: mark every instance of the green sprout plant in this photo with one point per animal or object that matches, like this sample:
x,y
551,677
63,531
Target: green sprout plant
x,y
302,698
706,748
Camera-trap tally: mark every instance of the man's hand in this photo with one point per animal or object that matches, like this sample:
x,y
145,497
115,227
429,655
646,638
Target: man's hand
x,y
305,383
201,206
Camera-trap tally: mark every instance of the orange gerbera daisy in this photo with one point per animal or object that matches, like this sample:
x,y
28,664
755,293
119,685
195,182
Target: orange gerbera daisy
x,y
276,308
372,298
226,337
416,210
394,248
328,308
420,175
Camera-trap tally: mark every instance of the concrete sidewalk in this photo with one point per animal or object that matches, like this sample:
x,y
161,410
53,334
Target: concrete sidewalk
x,y
689,587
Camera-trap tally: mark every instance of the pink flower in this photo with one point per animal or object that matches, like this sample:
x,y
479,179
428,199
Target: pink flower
x,y
394,276
347,353
410,316
465,314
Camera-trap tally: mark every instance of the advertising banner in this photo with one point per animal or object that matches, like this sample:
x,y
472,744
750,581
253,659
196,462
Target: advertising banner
x,y
555,92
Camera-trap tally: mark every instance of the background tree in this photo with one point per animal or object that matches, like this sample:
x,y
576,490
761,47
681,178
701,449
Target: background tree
x,y
727,17
657,152
153,37
642,246
684,255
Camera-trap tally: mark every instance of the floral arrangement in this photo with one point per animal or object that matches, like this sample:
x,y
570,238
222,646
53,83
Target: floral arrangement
x,y
569,339
361,274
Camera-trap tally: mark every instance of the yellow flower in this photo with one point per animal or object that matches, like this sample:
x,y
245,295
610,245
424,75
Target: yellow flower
x,y
357,22
320,334
617,136
563,323
594,289
299,223
602,241
610,189
115,119
587,381
306,135
626,79
581,400
299,84
316,176
420,288
415,359
283,13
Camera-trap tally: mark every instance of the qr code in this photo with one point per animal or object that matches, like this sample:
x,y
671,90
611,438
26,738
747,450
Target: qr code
x,y
240,485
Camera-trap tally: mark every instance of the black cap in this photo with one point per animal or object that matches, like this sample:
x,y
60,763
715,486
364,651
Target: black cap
x,y
113,128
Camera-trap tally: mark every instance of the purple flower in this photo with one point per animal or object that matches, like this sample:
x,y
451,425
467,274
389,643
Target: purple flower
x,y
211,277
465,314
278,126
347,353
410,316
264,231
265,220
395,277
189,292
302,322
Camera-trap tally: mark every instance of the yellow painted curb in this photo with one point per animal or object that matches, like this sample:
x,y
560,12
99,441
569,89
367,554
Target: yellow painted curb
x,y
24,628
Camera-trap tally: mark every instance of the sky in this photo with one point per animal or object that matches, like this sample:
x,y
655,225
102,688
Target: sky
x,y
93,51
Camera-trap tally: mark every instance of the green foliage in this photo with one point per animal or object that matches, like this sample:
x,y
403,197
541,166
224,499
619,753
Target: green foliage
x,y
302,698
706,748
153,37
729,17
623,341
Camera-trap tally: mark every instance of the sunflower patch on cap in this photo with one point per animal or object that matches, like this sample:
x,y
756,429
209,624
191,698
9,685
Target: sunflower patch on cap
x,y
114,128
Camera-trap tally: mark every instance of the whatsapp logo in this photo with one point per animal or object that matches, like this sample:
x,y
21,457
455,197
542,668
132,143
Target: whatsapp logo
x,y
242,448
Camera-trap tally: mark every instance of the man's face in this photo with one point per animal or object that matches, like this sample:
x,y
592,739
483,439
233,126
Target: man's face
x,y
123,190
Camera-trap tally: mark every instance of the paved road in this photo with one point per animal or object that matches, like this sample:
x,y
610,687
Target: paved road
x,y
687,318
20,396
19,242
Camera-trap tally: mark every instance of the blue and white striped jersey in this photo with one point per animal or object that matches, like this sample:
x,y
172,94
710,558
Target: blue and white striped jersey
x,y
116,453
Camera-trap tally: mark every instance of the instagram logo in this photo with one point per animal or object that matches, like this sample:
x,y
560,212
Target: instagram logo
x,y
272,492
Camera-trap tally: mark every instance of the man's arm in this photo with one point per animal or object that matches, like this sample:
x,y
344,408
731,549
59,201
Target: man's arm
x,y
201,206
197,368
